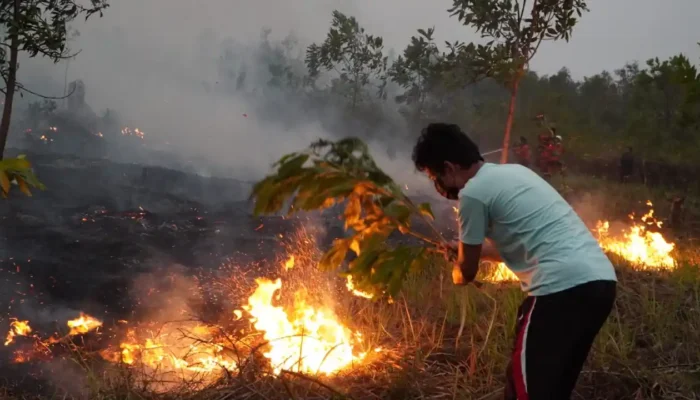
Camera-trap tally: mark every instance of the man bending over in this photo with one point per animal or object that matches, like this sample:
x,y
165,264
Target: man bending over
x,y
508,213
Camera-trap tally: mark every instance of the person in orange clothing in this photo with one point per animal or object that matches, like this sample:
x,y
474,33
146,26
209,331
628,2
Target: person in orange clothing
x,y
556,151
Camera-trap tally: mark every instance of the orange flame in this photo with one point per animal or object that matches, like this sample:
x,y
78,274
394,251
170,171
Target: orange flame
x,y
83,324
310,340
301,337
645,249
169,351
356,292
500,273
289,264
17,328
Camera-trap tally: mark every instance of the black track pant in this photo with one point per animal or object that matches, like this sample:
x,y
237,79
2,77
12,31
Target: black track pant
x,y
554,334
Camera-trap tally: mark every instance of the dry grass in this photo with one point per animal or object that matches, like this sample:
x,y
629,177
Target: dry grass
x,y
647,350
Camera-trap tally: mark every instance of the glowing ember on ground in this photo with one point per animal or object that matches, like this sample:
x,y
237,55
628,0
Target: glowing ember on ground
x,y
644,249
83,324
309,340
126,131
17,328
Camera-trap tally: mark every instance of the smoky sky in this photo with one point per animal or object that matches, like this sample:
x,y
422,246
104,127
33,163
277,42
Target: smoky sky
x,y
612,33
149,59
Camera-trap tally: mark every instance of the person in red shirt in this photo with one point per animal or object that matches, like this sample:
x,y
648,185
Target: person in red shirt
x,y
556,151
522,152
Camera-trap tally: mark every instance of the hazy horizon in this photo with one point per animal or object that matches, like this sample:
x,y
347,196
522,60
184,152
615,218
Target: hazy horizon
x,y
149,60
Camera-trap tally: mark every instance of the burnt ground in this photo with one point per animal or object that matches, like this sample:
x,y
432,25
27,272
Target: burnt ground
x,y
99,224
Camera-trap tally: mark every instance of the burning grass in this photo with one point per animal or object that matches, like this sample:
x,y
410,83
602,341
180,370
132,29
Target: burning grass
x,y
298,334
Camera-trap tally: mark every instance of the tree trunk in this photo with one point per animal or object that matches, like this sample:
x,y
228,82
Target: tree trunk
x,y
509,121
11,82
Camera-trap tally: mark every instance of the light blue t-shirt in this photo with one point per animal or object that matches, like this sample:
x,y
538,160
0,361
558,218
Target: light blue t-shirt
x,y
537,233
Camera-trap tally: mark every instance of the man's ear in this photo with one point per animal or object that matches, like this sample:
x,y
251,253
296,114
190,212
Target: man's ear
x,y
449,167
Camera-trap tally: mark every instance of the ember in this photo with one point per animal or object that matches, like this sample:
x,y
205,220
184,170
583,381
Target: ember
x,y
126,131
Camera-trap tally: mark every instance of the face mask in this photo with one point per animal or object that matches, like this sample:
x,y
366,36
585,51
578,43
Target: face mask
x,y
450,193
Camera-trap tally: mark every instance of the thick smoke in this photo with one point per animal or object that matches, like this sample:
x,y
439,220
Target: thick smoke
x,y
200,90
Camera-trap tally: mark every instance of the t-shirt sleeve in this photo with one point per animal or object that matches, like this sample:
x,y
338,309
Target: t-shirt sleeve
x,y
473,220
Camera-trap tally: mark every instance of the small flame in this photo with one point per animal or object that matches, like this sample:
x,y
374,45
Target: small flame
x,y
356,292
501,273
83,324
17,328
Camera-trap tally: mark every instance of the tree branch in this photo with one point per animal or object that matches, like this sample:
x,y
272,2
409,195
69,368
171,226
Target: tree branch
x,y
23,88
522,13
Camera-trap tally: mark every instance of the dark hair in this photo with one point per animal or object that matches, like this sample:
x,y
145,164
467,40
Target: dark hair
x,y
440,142
523,139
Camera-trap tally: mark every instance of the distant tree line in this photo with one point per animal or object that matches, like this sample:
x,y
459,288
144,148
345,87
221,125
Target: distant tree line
x,y
355,86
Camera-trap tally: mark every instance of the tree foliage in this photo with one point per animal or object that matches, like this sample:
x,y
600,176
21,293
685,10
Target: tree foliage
x,y
36,27
620,107
513,36
343,172
17,171
418,70
356,56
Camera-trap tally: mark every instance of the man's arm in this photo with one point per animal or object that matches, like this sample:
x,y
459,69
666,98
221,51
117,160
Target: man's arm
x,y
473,220
467,265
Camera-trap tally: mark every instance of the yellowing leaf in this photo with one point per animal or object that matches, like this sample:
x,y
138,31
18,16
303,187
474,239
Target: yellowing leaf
x,y
352,211
16,164
426,210
334,257
23,186
4,182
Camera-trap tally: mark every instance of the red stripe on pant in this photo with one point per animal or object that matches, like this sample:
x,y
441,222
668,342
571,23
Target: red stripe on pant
x,y
519,373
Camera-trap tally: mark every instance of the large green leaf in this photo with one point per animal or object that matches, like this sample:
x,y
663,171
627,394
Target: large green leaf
x,y
338,172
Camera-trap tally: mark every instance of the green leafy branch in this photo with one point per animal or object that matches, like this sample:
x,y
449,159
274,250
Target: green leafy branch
x,y
343,172
18,171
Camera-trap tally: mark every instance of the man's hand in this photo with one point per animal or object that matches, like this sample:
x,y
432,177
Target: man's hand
x,y
459,280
